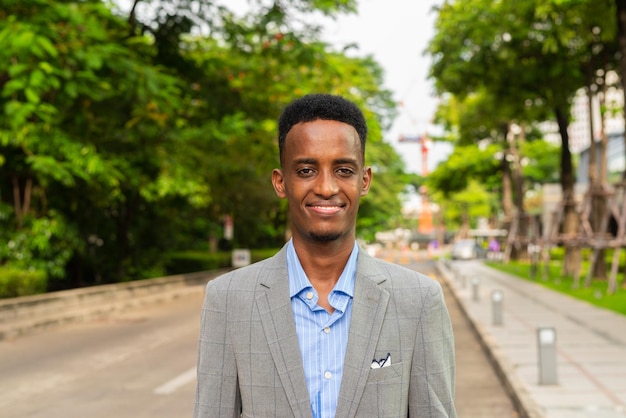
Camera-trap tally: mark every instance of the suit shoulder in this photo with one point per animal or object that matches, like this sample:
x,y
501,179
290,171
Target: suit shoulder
x,y
406,285
243,277
398,274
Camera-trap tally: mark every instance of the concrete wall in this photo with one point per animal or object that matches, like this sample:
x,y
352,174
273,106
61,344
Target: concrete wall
x,y
19,316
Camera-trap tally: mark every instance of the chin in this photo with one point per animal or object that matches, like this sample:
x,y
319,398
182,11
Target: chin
x,y
324,236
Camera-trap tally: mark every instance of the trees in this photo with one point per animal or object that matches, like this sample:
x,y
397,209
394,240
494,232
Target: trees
x,y
75,90
529,56
123,137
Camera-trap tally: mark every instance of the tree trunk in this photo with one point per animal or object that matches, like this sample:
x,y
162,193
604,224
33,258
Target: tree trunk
x,y
593,159
507,179
595,192
465,223
621,37
570,219
520,251
17,202
21,199
597,182
507,190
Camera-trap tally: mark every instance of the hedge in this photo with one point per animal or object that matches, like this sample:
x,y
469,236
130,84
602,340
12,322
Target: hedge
x,y
15,282
192,261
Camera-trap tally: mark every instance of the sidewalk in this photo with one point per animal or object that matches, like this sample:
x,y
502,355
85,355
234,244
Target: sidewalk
x,y
589,370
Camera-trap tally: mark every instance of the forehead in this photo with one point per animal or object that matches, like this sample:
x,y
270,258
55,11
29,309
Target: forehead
x,y
323,136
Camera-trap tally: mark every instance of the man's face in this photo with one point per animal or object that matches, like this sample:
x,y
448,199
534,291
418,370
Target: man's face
x,y
323,177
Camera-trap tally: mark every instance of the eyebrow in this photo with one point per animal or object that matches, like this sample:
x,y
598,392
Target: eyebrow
x,y
300,161
347,161
337,161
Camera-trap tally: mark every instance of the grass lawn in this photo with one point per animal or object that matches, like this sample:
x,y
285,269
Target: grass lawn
x,y
595,294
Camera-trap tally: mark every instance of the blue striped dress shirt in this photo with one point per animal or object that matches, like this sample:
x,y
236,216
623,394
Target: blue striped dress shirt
x,y
323,337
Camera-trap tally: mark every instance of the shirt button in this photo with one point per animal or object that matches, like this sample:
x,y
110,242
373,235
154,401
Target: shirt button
x,y
328,375
327,330
309,295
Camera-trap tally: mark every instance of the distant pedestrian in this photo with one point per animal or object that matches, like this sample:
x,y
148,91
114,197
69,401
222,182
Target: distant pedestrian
x,y
493,249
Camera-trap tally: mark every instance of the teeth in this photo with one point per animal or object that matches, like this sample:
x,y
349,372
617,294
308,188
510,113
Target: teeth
x,y
326,208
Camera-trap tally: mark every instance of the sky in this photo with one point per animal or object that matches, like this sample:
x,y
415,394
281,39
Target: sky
x,y
396,32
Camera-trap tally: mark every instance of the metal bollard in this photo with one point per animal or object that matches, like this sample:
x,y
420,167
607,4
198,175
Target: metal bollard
x,y
546,338
475,288
496,306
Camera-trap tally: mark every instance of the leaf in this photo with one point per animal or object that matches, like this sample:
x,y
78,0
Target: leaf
x,y
47,46
23,40
48,166
13,86
46,67
17,69
31,95
71,89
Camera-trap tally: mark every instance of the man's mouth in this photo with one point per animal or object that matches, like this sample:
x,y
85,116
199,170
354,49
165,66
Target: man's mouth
x,y
327,209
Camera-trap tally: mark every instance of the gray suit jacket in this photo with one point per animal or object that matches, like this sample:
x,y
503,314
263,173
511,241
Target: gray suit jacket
x,y
249,361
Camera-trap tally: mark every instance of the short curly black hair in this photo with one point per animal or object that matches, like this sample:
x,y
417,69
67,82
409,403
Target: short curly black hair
x,y
320,106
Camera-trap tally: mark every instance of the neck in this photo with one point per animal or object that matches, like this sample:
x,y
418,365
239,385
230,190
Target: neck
x,y
323,262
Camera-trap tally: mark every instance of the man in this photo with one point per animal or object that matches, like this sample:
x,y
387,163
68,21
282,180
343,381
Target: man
x,y
322,329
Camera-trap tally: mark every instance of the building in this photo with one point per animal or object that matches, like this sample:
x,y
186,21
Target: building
x,y
616,160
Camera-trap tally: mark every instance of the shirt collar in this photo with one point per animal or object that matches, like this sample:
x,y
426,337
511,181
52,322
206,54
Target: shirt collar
x,y
298,280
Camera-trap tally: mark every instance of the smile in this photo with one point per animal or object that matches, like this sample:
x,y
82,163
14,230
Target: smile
x,y
326,210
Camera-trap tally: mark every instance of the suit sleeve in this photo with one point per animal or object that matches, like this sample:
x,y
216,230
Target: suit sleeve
x,y
217,390
431,391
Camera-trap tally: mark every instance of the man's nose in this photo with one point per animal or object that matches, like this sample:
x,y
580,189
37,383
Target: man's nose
x,y
326,185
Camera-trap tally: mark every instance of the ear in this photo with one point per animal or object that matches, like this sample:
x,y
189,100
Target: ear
x,y
367,180
278,181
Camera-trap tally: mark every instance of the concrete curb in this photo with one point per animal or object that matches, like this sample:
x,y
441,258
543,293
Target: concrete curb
x,y
525,404
24,315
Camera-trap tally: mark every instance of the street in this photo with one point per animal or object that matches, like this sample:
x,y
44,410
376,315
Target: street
x,y
142,364
138,364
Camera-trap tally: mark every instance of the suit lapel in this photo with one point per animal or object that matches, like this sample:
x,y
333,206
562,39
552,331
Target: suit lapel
x,y
280,331
368,311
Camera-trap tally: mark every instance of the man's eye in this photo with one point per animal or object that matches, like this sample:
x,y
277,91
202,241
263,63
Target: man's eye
x,y
305,171
345,171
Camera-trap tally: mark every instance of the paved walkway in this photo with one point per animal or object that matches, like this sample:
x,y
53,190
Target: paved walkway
x,y
583,369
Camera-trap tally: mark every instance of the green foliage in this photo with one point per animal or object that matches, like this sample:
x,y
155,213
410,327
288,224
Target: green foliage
x,y
381,209
44,244
262,254
540,162
466,163
16,282
122,140
504,64
192,261
466,206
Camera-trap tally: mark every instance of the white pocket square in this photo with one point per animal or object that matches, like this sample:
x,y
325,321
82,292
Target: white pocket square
x,y
383,362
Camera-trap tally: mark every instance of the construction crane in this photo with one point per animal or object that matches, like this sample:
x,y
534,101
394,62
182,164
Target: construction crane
x,y
424,141
425,220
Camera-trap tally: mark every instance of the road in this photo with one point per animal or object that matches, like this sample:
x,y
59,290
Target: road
x,y
142,364
138,364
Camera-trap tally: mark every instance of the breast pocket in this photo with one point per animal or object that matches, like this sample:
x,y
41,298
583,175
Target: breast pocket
x,y
386,392
382,374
